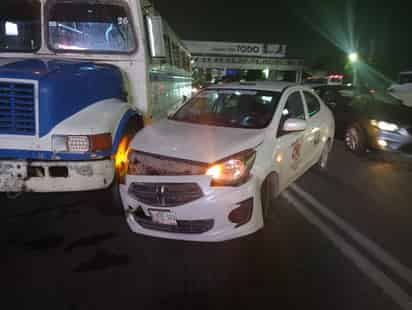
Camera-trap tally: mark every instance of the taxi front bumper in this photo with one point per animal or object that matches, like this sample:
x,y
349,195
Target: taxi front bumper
x,y
55,176
205,219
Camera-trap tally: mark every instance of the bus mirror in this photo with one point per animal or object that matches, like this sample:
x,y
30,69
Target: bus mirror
x,y
156,38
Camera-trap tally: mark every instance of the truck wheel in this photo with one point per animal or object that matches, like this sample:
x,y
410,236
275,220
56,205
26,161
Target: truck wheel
x,y
132,128
355,139
114,191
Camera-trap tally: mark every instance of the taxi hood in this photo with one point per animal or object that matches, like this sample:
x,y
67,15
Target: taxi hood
x,y
195,142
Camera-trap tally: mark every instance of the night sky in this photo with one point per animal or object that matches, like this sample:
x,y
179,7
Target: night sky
x,y
321,32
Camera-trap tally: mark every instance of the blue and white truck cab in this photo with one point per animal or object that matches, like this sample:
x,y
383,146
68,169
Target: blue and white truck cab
x,y
77,80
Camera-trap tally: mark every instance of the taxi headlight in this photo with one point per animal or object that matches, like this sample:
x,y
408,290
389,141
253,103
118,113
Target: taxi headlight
x,y
232,171
385,125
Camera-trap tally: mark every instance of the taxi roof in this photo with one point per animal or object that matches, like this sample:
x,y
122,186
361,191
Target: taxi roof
x,y
259,85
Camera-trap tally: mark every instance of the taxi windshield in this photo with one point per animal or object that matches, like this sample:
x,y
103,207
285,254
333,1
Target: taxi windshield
x,y
230,108
20,26
94,27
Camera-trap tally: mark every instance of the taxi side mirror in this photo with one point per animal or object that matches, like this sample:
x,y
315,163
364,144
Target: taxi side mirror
x,y
171,113
294,124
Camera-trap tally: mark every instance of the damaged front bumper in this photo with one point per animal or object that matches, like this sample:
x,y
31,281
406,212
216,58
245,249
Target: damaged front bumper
x,y
55,176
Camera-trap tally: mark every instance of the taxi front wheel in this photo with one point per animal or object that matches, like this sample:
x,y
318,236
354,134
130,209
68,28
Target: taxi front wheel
x,y
268,194
322,164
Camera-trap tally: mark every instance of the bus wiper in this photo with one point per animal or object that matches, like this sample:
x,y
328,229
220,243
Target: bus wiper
x,y
120,32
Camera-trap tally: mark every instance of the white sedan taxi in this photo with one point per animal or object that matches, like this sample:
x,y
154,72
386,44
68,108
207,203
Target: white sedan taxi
x,y
212,170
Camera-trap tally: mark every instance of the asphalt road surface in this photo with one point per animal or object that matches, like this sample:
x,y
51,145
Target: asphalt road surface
x,y
335,240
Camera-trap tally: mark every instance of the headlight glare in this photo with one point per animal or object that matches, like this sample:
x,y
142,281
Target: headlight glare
x,y
227,172
233,171
385,125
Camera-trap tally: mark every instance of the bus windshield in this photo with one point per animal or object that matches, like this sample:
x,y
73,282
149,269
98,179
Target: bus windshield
x,y
20,25
94,27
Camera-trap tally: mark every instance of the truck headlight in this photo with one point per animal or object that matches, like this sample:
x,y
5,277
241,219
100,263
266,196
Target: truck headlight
x,y
78,144
384,125
82,143
232,171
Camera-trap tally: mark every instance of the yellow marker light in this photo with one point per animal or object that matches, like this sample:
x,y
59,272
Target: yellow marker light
x,y
121,154
382,143
279,158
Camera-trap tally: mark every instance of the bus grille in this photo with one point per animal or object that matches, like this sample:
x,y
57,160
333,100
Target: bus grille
x,y
17,108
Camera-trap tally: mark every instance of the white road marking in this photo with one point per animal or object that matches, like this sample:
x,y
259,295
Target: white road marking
x,y
368,268
374,249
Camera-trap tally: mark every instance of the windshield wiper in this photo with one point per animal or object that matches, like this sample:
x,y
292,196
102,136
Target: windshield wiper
x,y
120,32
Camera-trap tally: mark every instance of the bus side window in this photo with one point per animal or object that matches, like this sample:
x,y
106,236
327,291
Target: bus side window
x,y
182,59
188,64
175,55
168,51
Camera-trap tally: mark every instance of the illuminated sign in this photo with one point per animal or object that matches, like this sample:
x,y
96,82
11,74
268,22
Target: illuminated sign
x,y
241,49
247,60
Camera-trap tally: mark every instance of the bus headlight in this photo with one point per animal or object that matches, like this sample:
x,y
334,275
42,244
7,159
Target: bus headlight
x,y
78,144
82,143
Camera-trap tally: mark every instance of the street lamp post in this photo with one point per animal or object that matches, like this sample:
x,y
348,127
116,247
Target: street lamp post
x,y
353,59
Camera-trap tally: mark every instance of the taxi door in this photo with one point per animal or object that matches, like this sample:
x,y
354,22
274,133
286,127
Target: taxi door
x,y
313,142
289,145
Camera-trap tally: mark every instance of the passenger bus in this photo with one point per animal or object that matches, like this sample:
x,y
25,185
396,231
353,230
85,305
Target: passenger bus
x,y
77,80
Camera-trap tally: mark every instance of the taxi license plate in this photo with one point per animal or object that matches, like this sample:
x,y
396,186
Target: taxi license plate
x,y
163,217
